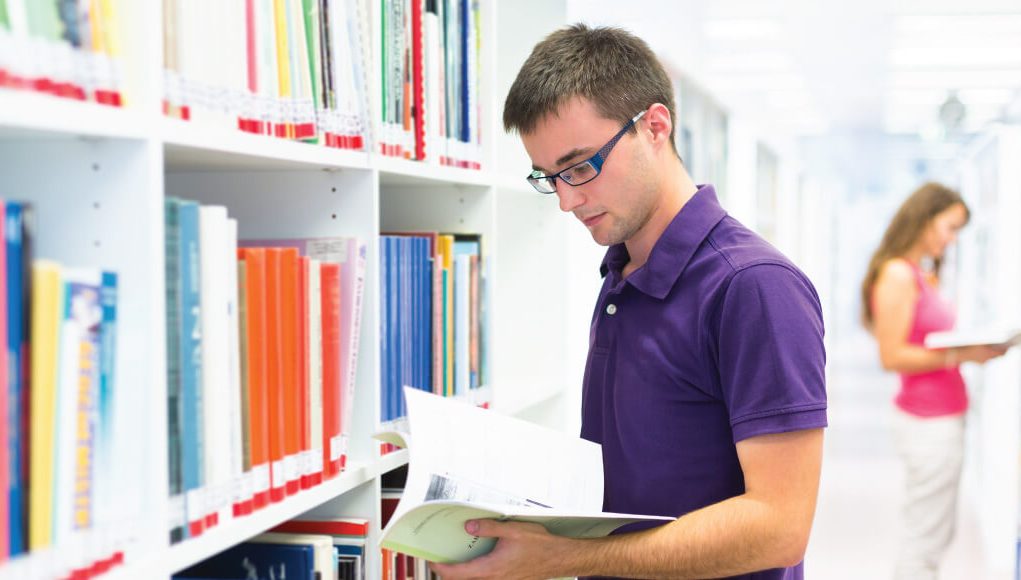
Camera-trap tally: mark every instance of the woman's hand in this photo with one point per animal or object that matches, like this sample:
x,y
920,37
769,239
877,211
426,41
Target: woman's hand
x,y
977,354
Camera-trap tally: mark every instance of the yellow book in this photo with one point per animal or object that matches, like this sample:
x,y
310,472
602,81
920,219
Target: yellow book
x,y
47,298
446,247
283,61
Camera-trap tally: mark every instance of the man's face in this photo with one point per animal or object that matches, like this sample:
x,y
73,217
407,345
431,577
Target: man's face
x,y
619,201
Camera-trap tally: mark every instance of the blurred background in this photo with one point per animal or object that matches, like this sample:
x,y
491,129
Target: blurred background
x,y
815,119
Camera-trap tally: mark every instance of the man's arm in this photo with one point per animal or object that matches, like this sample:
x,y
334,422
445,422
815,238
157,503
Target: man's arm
x,y
766,527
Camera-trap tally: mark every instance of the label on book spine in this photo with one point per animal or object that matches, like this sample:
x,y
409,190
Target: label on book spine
x,y
177,516
316,459
260,478
336,447
277,476
195,504
291,467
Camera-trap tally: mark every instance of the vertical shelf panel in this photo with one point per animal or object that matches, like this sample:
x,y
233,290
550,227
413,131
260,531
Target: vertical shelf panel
x,y
97,205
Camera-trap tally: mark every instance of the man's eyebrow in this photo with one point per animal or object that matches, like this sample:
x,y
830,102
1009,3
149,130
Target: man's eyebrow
x,y
570,155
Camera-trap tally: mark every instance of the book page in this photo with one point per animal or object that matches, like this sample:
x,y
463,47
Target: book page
x,y
476,455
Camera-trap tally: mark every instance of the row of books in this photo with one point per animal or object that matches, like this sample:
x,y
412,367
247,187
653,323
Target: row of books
x,y
395,565
432,316
292,69
261,363
313,549
67,49
431,68
58,470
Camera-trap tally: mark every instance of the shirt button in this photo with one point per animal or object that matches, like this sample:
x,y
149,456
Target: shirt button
x,y
611,309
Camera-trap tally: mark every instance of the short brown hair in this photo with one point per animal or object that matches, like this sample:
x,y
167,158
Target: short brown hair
x,y
905,229
610,67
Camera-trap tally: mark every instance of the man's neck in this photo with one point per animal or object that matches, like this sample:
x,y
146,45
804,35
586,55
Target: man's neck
x,y
678,189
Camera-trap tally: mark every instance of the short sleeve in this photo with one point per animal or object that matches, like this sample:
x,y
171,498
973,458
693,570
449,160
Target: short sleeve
x,y
770,353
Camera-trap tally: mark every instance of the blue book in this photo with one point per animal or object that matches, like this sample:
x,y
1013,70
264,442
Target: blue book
x,y
104,441
172,254
191,349
17,388
384,325
256,562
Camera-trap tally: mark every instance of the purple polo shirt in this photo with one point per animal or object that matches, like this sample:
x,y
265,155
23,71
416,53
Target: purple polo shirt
x,y
717,338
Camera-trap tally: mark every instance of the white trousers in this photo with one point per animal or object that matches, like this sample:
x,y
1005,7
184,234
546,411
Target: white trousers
x,y
932,450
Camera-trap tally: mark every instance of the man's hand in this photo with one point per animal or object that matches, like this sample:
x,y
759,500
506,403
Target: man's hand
x,y
522,552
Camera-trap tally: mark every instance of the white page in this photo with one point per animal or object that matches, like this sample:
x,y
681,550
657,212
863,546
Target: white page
x,y
499,459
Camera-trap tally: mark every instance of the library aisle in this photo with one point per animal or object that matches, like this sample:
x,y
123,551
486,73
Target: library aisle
x,y
857,523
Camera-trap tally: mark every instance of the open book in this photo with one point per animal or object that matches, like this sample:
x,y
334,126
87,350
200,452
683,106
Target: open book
x,y
1005,337
468,463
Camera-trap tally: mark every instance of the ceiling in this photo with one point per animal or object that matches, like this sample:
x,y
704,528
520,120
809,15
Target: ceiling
x,y
815,67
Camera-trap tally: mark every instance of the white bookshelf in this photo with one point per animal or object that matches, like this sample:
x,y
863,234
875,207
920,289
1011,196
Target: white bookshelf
x,y
98,177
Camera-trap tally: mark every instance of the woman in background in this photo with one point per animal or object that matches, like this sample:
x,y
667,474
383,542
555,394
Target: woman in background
x,y
901,304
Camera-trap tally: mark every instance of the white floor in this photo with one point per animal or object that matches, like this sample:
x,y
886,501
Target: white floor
x,y
857,521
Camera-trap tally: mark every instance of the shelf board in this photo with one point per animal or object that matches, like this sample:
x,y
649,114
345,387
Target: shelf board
x,y
29,115
234,531
513,405
189,147
404,172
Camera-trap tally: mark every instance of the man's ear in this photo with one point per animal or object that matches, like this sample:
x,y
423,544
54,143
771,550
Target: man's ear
x,y
657,124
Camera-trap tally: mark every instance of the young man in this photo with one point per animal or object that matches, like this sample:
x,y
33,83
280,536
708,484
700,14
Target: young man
x,y
704,382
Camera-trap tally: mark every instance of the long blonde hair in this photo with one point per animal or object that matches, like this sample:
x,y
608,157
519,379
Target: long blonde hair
x,y
904,231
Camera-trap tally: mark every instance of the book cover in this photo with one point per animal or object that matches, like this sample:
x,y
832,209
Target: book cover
x,y
8,439
175,438
262,561
257,365
331,379
314,349
992,336
46,308
192,422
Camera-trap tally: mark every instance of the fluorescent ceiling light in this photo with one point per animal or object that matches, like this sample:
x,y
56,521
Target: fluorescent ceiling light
x,y
769,60
941,28
958,56
938,96
756,82
985,78
741,29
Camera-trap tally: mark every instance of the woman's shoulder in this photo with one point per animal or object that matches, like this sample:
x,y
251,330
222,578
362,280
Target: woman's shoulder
x,y
897,272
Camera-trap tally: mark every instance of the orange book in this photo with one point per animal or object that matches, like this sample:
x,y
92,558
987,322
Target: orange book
x,y
256,372
330,292
290,274
275,385
304,423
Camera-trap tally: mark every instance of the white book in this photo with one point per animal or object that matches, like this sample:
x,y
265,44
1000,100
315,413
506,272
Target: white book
x,y
992,336
315,367
237,459
76,411
215,317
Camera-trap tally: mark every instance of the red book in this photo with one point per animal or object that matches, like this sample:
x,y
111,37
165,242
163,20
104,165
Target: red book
x,y
290,275
418,78
304,421
330,292
275,385
332,527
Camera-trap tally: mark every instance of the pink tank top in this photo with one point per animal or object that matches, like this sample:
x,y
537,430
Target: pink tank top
x,y
940,392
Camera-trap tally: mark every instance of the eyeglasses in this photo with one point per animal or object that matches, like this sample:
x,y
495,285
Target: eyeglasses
x,y
582,172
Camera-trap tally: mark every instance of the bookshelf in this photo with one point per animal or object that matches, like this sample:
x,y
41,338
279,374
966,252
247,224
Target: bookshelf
x,y
98,177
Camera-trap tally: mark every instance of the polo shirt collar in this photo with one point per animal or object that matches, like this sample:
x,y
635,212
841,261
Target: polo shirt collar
x,y
674,248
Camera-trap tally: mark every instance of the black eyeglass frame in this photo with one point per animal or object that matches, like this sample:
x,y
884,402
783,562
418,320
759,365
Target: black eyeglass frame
x,y
546,184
